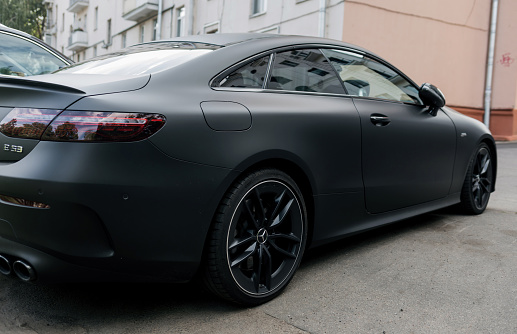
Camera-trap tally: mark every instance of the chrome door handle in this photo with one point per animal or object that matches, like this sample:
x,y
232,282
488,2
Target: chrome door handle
x,y
379,120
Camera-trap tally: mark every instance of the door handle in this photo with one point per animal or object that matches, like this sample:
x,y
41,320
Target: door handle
x,y
379,119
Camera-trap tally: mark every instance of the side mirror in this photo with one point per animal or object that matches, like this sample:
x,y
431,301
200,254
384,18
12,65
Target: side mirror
x,y
432,97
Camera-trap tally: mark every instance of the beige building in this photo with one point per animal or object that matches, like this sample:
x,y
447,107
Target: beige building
x,y
441,41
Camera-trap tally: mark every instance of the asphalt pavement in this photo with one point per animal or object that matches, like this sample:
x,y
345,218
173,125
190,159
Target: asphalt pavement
x,y
437,273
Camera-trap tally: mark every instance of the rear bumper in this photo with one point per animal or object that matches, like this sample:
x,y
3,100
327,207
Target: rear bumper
x,y
116,212
50,268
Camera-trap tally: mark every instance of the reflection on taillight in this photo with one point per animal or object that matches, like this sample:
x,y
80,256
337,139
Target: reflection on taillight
x,y
23,202
96,126
27,122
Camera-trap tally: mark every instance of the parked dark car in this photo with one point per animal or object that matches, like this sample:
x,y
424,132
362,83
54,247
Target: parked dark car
x,y
24,55
225,156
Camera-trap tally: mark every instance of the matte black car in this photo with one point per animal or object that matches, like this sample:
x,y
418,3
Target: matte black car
x,y
24,55
224,156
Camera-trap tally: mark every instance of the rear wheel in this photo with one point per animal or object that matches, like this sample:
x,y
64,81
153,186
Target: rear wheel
x,y
478,182
257,238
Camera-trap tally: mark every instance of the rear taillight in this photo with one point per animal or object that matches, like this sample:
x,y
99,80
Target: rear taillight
x,y
27,122
91,126
103,126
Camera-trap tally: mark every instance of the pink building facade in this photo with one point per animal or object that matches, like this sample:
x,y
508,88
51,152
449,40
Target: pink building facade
x,y
446,43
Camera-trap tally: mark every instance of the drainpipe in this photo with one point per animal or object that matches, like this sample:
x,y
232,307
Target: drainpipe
x,y
191,18
322,17
159,21
490,63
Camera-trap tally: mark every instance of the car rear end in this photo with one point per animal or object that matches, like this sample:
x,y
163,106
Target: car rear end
x,y
84,195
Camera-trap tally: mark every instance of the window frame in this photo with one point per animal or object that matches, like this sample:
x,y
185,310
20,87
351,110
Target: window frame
x,y
272,53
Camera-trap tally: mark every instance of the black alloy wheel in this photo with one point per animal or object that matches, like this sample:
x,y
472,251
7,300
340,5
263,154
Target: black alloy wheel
x,y
258,238
478,182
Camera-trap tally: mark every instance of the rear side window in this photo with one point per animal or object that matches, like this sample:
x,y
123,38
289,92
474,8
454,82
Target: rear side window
x,y
367,77
305,70
250,75
22,57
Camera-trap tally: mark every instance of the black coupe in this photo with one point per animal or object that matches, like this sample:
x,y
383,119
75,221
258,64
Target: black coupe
x,y
224,156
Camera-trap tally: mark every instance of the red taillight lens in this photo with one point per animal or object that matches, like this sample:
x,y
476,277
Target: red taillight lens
x,y
27,122
92,126
103,126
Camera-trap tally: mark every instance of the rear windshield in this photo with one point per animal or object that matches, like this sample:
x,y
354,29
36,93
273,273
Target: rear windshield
x,y
142,59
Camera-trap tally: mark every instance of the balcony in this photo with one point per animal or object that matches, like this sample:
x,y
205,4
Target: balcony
x,y
136,10
50,28
78,41
78,5
50,2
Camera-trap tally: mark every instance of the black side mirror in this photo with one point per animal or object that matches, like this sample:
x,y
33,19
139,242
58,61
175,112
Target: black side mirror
x,y
432,97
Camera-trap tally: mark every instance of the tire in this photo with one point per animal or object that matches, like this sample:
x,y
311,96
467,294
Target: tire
x,y
257,238
478,182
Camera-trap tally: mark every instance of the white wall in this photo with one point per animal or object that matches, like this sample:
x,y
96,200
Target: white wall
x,y
281,16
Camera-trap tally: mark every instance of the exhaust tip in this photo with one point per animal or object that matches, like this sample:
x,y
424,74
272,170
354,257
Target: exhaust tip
x,y
5,266
24,271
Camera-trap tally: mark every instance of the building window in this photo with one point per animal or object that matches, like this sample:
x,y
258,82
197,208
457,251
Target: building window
x,y
155,29
142,33
85,22
258,7
180,26
108,33
124,40
63,22
95,51
96,19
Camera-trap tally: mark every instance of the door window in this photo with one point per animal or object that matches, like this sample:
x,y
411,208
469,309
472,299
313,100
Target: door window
x,y
363,76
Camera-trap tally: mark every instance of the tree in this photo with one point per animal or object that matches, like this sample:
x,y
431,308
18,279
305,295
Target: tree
x,y
25,15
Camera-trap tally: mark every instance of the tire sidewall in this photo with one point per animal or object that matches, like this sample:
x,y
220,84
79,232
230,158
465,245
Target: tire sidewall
x,y
225,219
468,200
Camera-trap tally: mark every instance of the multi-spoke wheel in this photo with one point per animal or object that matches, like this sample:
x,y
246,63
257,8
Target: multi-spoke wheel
x,y
478,182
258,238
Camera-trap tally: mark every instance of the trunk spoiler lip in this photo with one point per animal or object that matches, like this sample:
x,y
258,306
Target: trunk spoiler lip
x,y
26,82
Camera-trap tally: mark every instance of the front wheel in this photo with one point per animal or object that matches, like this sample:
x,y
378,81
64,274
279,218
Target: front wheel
x,y
478,182
257,238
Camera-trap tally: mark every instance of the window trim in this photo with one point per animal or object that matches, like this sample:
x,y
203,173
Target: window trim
x,y
320,47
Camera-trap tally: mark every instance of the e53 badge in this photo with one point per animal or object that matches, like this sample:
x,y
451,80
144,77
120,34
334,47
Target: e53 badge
x,y
13,148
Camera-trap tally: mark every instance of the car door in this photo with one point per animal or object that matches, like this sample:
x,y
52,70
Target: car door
x,y
407,154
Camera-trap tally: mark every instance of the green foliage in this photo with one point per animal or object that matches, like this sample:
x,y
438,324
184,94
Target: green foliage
x,y
24,15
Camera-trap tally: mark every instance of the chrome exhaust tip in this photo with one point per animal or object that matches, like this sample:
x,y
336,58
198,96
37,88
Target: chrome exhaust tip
x,y
24,271
5,265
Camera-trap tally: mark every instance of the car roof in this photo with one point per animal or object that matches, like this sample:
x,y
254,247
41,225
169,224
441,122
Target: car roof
x,y
275,40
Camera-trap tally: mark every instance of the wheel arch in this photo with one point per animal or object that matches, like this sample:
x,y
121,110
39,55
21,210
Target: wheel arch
x,y
300,177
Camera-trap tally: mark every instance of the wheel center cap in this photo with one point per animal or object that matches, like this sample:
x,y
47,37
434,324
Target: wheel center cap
x,y
262,236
